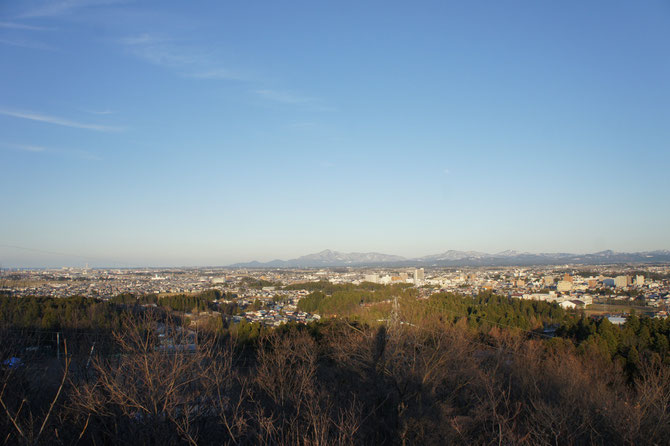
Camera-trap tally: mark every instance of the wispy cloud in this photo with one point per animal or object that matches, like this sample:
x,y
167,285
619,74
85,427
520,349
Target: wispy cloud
x,y
308,103
186,60
21,26
218,74
25,147
142,39
57,8
203,63
58,121
167,55
76,153
284,97
51,9
99,112
27,44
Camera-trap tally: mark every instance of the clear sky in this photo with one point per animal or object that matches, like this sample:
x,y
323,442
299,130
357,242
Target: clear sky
x,y
209,132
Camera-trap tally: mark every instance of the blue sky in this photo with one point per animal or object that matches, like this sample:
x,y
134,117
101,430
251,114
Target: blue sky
x,y
205,133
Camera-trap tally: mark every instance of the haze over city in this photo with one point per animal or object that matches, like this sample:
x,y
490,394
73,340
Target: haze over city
x,y
158,133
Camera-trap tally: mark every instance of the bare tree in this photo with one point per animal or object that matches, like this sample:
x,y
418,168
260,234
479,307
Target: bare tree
x,y
28,421
153,389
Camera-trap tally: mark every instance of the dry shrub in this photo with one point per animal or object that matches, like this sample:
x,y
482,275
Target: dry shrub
x,y
346,383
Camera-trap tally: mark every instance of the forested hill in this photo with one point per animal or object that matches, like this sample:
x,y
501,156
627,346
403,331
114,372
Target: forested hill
x,y
387,367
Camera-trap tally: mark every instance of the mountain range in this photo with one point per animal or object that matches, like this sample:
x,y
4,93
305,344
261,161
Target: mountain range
x,y
329,258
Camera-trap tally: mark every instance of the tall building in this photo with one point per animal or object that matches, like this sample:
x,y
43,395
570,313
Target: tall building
x,y
374,278
621,281
419,275
639,280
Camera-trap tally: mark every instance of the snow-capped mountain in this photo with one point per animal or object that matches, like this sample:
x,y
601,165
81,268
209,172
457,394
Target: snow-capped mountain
x,y
328,257
452,255
331,258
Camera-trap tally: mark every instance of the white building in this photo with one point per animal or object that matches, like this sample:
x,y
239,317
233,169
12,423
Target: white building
x,y
374,278
419,275
549,297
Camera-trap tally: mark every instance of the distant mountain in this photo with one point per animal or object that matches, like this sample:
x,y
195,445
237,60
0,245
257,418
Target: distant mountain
x,y
328,258
452,255
510,253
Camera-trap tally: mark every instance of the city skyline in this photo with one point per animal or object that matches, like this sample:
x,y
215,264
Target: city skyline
x,y
160,134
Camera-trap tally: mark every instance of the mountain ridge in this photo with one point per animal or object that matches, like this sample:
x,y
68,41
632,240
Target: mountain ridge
x,y
331,258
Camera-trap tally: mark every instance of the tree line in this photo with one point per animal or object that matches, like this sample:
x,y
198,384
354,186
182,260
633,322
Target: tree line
x,y
451,369
342,299
334,383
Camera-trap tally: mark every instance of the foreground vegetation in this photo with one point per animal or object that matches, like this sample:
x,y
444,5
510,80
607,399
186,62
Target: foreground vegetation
x,y
449,369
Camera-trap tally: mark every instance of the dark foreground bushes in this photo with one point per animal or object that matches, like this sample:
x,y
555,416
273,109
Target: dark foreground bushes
x,y
335,383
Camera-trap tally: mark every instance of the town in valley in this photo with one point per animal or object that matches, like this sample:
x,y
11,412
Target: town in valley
x,y
271,296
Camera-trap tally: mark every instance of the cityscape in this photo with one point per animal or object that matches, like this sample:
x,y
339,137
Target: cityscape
x,y
334,223
610,290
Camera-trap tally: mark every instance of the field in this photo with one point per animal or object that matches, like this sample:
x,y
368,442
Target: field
x,y
598,309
